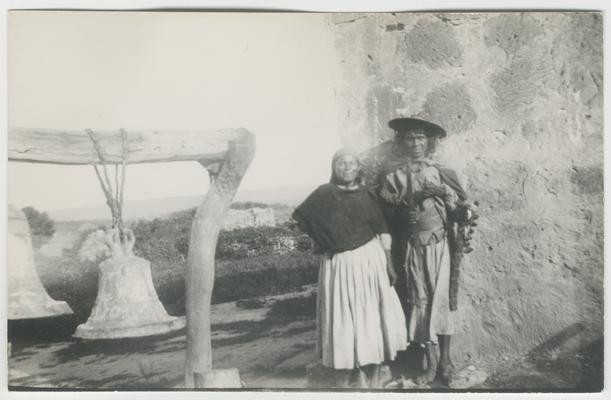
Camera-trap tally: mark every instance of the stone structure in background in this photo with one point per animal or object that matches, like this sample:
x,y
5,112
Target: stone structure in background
x,y
27,297
251,217
520,95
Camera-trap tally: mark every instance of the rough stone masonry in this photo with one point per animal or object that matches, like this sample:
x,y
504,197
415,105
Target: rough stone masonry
x,y
520,95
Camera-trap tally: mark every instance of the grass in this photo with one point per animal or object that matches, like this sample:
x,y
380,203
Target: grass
x,y
240,275
267,275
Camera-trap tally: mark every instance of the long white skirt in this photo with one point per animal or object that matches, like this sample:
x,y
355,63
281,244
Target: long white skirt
x,y
360,320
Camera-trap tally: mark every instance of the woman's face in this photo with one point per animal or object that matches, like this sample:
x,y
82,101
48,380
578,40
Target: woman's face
x,y
346,169
414,143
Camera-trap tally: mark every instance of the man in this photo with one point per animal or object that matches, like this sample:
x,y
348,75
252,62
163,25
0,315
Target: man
x,y
421,201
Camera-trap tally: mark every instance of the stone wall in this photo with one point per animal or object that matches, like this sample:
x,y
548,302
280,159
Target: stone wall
x,y
252,217
520,95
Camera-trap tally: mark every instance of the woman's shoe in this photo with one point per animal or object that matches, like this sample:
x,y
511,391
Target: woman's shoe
x,y
361,379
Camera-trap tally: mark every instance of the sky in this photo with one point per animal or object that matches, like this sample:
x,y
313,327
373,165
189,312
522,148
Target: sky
x,y
273,74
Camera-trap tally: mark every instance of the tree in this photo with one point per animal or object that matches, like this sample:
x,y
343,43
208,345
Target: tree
x,y
40,223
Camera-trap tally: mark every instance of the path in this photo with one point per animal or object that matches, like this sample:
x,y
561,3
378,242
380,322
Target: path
x,y
271,350
263,348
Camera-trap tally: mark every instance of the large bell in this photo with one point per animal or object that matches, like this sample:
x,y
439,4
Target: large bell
x,y
27,298
127,304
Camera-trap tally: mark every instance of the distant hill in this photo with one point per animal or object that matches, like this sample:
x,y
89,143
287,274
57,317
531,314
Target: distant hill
x,y
151,208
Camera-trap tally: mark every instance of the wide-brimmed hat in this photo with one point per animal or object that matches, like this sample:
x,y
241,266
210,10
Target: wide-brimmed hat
x,y
406,124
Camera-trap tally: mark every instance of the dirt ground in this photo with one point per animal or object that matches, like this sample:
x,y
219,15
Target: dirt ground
x,y
271,346
270,352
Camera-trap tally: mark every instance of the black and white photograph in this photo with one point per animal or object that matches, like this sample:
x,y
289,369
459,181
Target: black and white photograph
x,y
367,202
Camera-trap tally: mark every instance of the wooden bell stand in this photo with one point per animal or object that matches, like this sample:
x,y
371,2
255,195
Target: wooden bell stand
x,y
226,154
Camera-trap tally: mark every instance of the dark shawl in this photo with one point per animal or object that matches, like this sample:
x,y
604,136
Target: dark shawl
x,y
450,178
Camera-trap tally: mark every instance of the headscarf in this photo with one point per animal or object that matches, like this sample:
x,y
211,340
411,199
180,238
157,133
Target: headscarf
x,y
346,151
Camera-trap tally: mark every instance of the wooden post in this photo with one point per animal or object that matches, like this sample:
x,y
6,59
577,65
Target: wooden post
x,y
224,181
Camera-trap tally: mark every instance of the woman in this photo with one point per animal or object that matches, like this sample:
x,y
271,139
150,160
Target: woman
x,y
360,321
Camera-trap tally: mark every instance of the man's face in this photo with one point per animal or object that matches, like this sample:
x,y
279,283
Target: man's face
x,y
413,142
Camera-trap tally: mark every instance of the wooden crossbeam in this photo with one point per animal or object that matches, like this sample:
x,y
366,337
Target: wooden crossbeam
x,y
75,147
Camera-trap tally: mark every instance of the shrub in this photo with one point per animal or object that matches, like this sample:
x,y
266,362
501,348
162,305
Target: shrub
x,y
259,241
251,262
163,240
166,240
40,223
